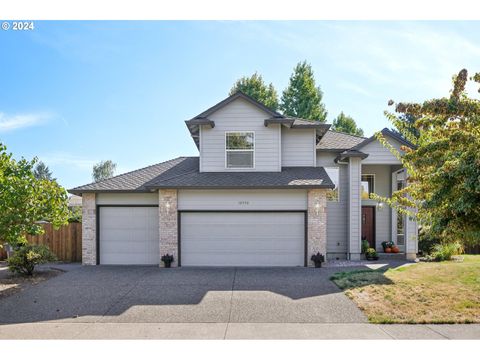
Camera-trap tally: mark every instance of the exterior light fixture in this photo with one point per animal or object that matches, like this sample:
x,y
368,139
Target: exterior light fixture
x,y
167,207
380,206
317,207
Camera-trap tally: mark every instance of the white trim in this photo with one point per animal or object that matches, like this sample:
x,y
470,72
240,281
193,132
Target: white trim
x,y
315,149
280,147
233,150
200,142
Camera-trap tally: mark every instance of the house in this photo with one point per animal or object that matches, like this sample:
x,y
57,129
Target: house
x,y
266,190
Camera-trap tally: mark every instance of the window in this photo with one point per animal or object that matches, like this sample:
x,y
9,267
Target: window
x,y
368,186
400,220
334,174
239,150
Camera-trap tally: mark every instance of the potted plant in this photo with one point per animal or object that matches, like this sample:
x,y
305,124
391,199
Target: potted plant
x,y
318,259
371,254
365,246
387,246
167,260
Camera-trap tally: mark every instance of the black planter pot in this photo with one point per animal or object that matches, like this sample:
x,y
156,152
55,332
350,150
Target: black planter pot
x,y
167,264
372,258
318,264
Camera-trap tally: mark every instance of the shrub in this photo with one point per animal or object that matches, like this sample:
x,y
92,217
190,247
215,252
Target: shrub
x,y
443,252
26,257
365,246
426,240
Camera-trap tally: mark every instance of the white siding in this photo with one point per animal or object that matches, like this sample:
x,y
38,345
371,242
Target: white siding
x,y
240,115
242,199
337,211
298,147
378,154
127,199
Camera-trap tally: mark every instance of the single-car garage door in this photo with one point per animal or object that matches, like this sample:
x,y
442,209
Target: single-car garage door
x,y
129,235
242,238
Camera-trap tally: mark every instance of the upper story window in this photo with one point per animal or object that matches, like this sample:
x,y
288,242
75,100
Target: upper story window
x,y
240,150
368,186
334,174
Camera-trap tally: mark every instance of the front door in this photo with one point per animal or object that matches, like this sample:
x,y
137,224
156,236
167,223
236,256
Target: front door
x,y
368,225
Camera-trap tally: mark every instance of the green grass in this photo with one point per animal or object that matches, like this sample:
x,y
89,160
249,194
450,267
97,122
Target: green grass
x,y
445,292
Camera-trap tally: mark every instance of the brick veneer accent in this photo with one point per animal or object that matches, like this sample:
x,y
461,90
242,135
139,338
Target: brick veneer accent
x,y
168,224
89,229
317,223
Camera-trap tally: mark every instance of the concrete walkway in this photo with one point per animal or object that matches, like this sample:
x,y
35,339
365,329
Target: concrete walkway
x,y
235,331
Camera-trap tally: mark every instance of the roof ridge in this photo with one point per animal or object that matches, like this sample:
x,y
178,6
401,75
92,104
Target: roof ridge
x,y
132,171
344,133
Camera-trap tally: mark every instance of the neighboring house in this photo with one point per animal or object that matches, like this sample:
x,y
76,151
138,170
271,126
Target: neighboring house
x,y
266,190
74,201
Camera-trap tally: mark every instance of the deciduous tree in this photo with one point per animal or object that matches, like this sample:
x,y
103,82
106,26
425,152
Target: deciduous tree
x,y
255,87
103,170
346,124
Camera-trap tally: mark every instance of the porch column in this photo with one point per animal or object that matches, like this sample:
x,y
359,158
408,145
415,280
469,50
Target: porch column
x,y
168,224
89,229
354,208
316,223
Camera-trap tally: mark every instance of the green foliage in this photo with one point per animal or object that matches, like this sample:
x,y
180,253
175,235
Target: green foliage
x,y
346,124
25,200
26,257
443,165
302,98
103,170
75,214
444,252
365,246
255,87
426,240
42,172
371,252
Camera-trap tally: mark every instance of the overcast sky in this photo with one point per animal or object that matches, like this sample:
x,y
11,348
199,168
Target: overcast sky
x,y
75,93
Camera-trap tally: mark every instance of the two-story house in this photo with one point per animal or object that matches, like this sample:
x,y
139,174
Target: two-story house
x,y
265,190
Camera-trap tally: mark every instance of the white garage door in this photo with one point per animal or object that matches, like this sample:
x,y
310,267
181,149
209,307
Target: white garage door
x,y
129,235
242,239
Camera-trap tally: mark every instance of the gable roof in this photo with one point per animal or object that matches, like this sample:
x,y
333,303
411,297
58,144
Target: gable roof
x,y
338,141
385,132
184,173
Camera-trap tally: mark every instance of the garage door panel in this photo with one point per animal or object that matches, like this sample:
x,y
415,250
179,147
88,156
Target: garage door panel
x,y
129,235
242,239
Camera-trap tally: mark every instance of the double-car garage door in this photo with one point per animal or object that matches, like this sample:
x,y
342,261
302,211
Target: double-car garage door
x,y
130,235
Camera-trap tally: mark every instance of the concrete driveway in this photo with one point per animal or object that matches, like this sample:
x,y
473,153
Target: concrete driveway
x,y
135,294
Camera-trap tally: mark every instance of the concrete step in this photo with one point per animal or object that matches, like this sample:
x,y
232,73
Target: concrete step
x,y
391,256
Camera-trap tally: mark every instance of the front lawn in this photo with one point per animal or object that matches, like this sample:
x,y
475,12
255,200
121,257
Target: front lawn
x,y
445,292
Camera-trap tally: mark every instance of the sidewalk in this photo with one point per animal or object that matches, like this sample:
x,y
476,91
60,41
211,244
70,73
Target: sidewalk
x,y
62,330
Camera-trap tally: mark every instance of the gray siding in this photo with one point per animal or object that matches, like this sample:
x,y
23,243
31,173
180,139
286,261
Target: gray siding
x,y
378,154
127,199
337,212
242,200
240,115
383,186
298,147
354,210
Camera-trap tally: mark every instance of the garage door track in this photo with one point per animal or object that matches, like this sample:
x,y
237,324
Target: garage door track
x,y
140,294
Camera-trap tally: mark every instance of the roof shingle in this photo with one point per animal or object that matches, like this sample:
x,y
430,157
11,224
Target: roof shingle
x,y
334,140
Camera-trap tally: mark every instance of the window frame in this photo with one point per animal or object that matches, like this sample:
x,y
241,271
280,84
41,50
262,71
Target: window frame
x,y
239,150
338,185
400,216
370,191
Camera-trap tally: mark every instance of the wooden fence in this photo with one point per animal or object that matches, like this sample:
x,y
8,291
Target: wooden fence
x,y
65,243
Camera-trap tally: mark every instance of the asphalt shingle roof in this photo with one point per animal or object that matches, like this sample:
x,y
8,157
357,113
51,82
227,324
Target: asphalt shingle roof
x,y
334,140
184,173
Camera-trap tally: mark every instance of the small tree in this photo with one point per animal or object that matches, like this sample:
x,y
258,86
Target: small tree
x,y
42,171
255,87
103,170
25,200
444,163
346,124
302,98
